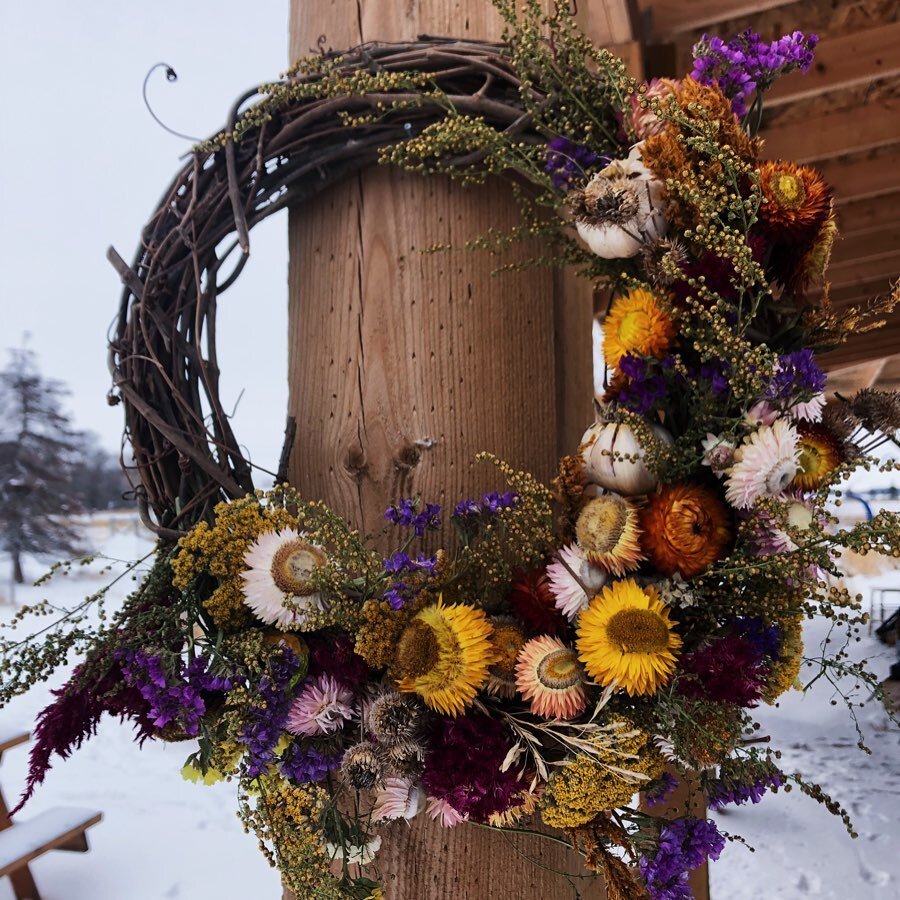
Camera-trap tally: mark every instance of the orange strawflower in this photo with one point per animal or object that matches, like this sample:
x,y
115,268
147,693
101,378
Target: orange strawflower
x,y
636,324
798,201
820,454
685,528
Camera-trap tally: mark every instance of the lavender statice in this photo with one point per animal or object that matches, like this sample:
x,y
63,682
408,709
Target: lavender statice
x,y
796,375
567,163
727,791
401,591
660,791
397,563
646,385
305,764
174,698
684,844
746,64
765,639
488,506
265,719
406,514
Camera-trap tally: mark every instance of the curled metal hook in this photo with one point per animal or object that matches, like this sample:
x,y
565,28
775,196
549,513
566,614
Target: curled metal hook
x,y
171,75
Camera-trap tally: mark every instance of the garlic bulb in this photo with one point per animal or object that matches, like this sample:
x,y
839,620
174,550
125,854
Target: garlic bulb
x,y
620,208
600,447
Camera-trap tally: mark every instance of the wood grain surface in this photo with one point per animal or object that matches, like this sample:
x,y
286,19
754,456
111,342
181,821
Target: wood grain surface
x,y
403,365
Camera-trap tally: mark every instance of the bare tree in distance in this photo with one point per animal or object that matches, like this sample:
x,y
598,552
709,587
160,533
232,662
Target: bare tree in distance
x,y
39,452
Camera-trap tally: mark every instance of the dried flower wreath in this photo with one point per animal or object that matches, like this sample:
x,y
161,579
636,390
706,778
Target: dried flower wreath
x,y
580,644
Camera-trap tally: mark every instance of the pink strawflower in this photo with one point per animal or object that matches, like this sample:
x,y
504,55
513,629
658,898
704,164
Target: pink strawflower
x,y
569,590
642,119
442,811
321,708
764,464
400,798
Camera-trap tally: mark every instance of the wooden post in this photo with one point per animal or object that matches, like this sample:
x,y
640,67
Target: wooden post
x,y
403,365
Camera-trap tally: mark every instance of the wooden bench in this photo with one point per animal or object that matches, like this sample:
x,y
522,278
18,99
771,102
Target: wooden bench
x,y
22,841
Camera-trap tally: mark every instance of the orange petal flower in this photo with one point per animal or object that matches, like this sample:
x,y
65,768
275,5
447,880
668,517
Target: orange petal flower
x,y
685,528
638,324
820,454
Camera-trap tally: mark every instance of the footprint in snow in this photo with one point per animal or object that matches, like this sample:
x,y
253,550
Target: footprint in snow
x,y
875,877
808,883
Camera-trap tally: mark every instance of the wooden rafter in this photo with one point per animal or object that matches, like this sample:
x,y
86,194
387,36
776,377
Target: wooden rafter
x,y
835,134
859,178
667,18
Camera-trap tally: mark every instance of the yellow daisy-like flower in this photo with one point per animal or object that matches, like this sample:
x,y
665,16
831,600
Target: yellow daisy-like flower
x,y
636,324
444,656
608,533
625,636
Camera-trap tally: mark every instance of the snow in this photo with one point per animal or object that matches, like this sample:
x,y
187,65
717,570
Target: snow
x,y
162,837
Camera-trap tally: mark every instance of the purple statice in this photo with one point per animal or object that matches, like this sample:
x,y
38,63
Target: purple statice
x,y
473,512
467,509
646,385
266,718
305,764
173,698
747,64
765,639
684,844
728,791
401,592
494,502
713,373
406,514
567,162
660,791
796,374
398,563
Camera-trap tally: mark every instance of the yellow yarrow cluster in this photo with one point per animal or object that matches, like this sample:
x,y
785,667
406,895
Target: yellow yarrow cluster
x,y
219,550
286,819
785,672
587,786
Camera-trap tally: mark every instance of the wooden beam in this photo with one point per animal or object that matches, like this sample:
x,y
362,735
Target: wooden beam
x,y
867,245
851,379
860,179
854,273
854,294
865,216
866,347
834,134
841,62
666,18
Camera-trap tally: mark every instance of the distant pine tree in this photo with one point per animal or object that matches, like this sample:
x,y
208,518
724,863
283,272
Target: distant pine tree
x,y
39,451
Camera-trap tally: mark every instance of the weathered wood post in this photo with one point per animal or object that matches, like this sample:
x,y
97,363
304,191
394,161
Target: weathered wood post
x,y
403,365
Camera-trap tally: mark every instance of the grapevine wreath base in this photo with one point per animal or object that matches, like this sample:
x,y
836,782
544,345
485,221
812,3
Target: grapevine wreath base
x,y
575,644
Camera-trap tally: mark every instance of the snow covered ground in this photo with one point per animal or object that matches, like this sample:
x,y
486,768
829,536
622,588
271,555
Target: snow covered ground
x,y
162,837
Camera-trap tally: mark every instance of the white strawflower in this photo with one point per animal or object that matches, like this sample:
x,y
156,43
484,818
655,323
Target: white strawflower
x,y
810,410
764,464
569,576
277,585
400,798
718,453
355,854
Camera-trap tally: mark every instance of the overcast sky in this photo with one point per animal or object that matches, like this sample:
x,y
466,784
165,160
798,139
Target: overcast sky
x,y
82,166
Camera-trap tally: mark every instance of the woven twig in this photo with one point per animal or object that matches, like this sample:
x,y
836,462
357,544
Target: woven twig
x,y
162,354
